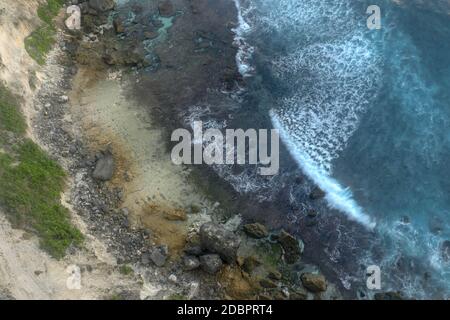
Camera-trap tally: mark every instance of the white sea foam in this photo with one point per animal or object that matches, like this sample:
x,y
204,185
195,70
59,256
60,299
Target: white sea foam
x,y
332,73
245,51
338,197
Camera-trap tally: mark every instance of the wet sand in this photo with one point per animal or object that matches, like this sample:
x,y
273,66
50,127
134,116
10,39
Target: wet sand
x,y
157,193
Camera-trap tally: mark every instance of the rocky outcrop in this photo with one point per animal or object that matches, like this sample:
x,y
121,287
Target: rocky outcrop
x,y
166,8
104,168
216,239
315,283
291,247
102,5
317,194
118,25
159,255
256,230
190,263
211,263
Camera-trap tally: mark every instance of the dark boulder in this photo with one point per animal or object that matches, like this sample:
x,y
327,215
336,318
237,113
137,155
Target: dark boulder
x,y
104,168
315,283
118,25
291,247
317,194
211,263
159,255
191,263
250,264
268,284
256,230
166,8
217,239
102,5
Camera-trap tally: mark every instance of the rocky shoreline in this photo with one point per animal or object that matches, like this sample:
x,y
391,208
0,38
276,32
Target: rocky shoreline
x,y
221,259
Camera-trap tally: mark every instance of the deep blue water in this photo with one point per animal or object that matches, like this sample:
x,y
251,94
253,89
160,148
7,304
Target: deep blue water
x,y
366,114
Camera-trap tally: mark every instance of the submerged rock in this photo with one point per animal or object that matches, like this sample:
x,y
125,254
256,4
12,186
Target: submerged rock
x,y
312,213
211,263
291,246
166,8
256,230
102,5
314,282
317,194
389,296
104,168
216,239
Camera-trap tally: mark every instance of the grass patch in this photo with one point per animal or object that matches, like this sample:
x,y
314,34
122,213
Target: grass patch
x,y
41,41
126,270
10,117
177,297
31,185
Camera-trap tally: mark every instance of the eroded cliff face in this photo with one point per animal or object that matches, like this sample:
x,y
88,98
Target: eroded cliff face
x,y
17,20
26,271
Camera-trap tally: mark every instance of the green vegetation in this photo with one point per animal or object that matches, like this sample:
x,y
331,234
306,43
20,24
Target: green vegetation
x,y
126,270
40,42
31,184
114,297
177,297
269,253
10,117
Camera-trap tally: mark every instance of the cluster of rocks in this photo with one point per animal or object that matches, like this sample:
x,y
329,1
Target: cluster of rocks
x,y
218,249
125,41
216,246
94,7
92,199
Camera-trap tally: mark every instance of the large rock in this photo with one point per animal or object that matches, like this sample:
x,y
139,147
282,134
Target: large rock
x,y
256,230
217,239
314,282
211,263
166,8
104,168
159,255
102,5
250,264
291,246
317,194
190,263
118,24
268,284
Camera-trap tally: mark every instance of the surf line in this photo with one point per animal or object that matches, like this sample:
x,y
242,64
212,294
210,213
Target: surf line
x,y
337,196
